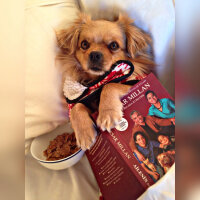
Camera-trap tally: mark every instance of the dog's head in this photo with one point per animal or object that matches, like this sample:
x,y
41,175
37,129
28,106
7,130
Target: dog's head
x,y
97,44
165,159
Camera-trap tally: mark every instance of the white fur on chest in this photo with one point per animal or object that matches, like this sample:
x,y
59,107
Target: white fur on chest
x,y
72,89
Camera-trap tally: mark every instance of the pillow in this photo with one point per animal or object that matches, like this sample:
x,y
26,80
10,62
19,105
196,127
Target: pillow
x,y
45,106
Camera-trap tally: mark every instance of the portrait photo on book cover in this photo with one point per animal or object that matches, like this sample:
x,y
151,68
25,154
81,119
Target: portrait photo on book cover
x,y
153,136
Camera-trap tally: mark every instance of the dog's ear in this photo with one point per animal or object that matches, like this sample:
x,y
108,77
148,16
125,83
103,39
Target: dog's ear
x,y
68,38
136,40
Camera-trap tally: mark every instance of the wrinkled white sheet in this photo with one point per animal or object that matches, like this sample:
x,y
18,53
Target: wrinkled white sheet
x,y
75,183
78,182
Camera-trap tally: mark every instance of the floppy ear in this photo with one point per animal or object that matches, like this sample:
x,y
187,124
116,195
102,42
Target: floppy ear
x,y
68,38
136,39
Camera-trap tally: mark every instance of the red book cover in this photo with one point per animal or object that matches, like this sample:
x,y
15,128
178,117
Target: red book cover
x,y
141,148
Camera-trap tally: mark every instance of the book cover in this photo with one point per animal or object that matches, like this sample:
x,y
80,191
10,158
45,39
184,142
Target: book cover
x,y
141,148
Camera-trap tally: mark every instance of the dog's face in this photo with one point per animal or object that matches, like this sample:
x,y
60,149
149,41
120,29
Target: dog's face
x,y
165,159
101,43
98,44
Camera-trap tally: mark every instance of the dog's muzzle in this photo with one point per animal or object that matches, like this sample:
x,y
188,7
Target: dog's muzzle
x,y
96,61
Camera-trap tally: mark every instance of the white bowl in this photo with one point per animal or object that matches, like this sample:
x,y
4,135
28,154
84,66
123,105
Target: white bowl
x,y
41,143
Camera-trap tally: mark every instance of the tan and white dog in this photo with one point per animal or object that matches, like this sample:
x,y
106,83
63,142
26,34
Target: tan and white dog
x,y
88,50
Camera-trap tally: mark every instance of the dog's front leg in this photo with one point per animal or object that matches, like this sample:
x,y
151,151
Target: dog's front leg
x,y
110,107
83,126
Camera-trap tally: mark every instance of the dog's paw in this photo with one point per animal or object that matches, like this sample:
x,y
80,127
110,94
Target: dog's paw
x,y
85,134
83,126
108,119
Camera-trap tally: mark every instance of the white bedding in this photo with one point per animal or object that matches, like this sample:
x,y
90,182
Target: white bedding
x,y
75,183
44,101
78,182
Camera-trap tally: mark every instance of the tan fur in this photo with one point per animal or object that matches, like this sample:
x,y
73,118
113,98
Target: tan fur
x,y
110,107
100,33
137,40
83,126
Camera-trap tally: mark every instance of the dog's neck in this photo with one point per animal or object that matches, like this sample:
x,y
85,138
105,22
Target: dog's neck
x,y
72,68
82,76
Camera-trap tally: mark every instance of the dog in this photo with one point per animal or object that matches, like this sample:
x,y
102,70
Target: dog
x,y
88,50
166,160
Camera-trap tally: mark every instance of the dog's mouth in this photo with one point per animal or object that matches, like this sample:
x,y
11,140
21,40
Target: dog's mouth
x,y
96,69
96,72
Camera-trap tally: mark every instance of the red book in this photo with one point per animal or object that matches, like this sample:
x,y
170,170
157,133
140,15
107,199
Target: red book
x,y
146,130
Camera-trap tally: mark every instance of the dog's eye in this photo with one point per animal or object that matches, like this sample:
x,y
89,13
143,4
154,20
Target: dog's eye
x,y
113,46
85,44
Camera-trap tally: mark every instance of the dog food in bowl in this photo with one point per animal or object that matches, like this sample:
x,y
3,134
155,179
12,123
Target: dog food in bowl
x,y
41,143
61,147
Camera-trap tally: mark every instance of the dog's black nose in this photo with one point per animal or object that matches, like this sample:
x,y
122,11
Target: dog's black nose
x,y
96,57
